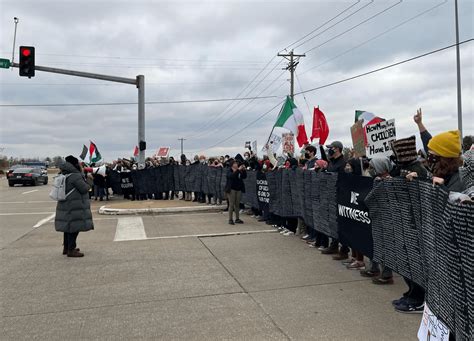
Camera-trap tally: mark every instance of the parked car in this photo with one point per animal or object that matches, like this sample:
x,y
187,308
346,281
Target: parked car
x,y
24,176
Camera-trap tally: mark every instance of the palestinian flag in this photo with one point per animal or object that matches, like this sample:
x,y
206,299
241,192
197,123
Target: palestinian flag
x,y
292,119
84,152
135,151
367,117
94,155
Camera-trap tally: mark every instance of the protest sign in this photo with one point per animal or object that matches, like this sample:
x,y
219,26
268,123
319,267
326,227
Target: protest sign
x,y
274,142
254,147
162,152
247,144
358,141
263,192
288,143
379,136
353,220
431,328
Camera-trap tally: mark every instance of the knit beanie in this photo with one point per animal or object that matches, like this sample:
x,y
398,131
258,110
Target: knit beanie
x,y
405,149
446,144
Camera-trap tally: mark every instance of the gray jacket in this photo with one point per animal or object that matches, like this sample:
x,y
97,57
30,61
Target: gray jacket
x,y
74,214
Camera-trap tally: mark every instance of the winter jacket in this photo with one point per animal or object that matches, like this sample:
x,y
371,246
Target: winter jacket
x,y
337,165
74,214
235,180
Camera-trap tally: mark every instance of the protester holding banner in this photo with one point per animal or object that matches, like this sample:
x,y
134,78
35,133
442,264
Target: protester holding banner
x,y
234,188
380,168
337,165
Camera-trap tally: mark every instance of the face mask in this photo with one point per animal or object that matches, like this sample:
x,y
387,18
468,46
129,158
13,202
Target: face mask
x,y
247,157
264,167
331,152
307,156
348,170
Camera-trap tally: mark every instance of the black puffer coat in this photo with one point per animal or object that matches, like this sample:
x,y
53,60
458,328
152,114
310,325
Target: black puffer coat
x,y
74,214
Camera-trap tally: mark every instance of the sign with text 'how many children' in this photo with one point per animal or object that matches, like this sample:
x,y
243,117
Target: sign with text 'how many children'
x,y
379,136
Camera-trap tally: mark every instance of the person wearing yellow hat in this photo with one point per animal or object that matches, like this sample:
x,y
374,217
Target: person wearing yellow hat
x,y
444,155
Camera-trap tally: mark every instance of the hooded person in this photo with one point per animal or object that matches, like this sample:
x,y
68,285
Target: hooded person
x,y
380,168
73,215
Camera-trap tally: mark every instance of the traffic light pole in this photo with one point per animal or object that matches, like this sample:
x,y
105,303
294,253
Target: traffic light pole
x,y
139,82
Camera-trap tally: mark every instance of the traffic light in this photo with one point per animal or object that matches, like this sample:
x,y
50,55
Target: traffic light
x,y
27,61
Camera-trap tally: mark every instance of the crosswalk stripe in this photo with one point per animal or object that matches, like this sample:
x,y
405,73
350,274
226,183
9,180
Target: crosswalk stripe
x,y
130,228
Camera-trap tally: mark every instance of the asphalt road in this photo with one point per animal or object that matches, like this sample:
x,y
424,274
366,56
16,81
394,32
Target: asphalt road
x,y
167,278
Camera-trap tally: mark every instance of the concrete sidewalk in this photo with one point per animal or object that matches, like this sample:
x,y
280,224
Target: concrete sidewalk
x,y
259,286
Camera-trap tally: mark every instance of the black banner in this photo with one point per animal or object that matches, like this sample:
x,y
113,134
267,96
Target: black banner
x,y
353,220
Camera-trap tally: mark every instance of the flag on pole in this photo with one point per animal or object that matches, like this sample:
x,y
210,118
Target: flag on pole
x,y
135,151
367,117
84,152
94,154
320,127
292,119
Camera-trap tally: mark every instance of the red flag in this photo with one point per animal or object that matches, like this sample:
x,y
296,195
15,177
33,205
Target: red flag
x,y
320,126
135,152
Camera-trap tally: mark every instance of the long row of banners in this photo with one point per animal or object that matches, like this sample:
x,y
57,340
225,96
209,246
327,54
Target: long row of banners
x,y
409,226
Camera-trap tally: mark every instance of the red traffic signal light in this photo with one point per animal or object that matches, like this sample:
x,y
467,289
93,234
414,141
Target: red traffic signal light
x,y
27,61
25,52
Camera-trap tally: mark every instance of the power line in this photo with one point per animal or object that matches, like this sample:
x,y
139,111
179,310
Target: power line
x,y
216,118
245,127
320,26
355,26
134,103
141,58
328,28
384,67
240,110
375,37
221,125
120,84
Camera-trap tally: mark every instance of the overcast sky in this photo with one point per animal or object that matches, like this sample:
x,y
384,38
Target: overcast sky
x,y
191,50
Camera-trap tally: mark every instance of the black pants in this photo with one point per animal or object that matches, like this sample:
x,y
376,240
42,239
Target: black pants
x,y
415,291
69,241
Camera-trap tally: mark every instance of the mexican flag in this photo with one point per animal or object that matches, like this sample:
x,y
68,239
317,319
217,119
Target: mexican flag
x,y
367,117
292,119
94,155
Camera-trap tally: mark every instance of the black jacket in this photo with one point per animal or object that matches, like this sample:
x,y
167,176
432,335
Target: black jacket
x,y
235,180
337,165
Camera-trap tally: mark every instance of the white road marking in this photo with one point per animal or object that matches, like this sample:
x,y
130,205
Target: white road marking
x,y
26,213
130,228
203,235
33,190
25,202
45,220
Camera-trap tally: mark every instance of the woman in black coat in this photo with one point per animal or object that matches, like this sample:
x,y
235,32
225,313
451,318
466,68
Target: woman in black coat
x,y
234,188
73,214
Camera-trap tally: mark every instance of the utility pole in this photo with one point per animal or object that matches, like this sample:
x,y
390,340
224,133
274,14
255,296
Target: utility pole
x,y
182,140
458,67
293,61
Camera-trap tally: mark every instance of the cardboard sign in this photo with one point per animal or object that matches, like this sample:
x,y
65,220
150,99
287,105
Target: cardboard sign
x,y
162,152
431,328
288,143
379,136
358,141
274,142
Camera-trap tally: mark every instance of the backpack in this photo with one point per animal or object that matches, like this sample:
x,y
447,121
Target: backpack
x,y
58,192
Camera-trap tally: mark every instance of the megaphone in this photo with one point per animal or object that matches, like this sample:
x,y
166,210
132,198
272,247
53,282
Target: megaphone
x,y
96,170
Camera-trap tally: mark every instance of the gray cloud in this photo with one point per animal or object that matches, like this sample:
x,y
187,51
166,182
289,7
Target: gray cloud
x,y
187,43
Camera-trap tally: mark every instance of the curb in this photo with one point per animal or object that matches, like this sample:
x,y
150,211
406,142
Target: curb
x,y
133,211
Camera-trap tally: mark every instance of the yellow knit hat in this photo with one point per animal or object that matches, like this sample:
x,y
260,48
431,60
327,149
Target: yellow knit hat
x,y
447,144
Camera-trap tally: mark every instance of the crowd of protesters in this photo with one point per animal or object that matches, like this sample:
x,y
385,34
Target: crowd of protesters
x,y
444,160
